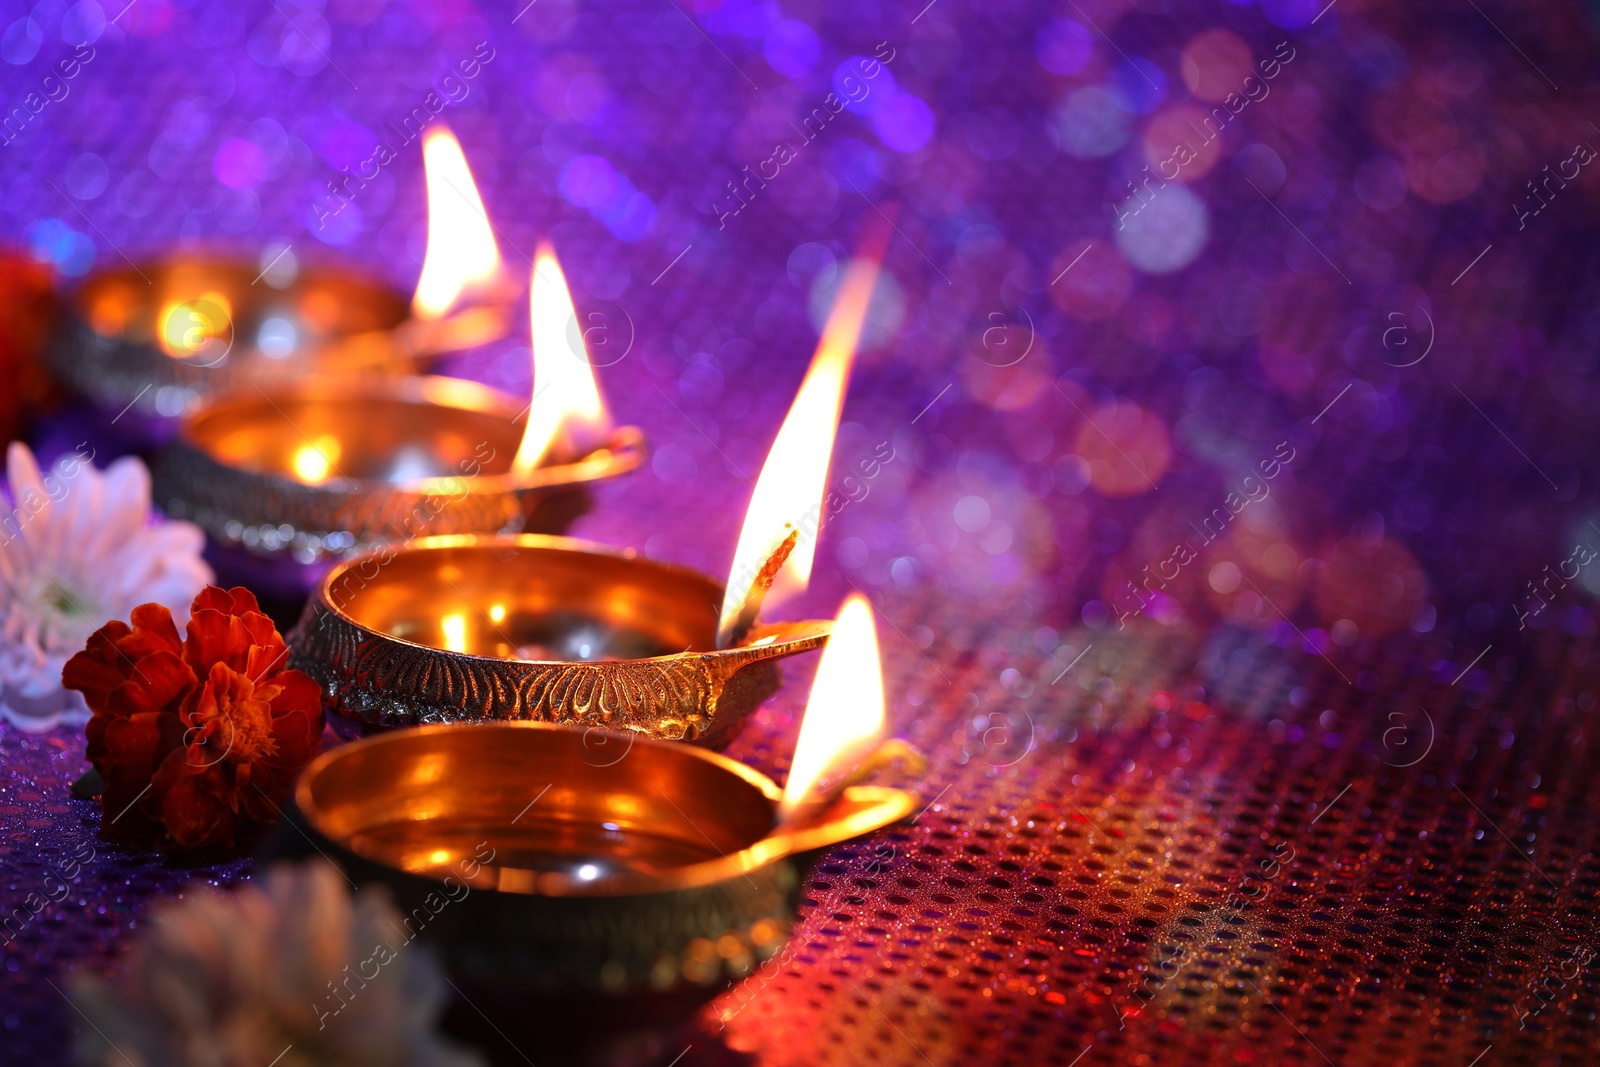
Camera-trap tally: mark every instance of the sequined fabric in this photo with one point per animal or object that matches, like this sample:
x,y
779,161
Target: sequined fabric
x,y
1222,508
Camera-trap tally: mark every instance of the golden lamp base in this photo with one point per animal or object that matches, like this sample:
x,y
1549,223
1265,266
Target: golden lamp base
x,y
533,627
575,885
335,465
147,342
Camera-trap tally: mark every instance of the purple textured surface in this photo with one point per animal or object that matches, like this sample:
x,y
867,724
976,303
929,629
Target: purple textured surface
x,y
72,897
1369,266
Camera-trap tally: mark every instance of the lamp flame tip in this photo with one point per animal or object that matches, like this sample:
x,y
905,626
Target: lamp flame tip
x,y
567,418
875,238
789,494
461,254
845,715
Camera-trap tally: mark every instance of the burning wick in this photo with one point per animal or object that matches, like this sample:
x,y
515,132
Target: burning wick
x,y
750,607
786,507
844,719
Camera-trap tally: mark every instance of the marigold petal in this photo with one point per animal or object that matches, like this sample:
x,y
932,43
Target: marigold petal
x,y
212,598
104,640
297,692
235,601
295,742
92,676
164,679
215,637
99,668
193,814
244,600
266,657
160,683
264,790
154,629
263,630
133,748
94,732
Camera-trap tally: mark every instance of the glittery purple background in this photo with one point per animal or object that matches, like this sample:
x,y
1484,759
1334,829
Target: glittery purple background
x,y
1383,262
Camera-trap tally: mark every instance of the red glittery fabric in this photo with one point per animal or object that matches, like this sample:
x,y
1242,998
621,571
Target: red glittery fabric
x,y
1211,852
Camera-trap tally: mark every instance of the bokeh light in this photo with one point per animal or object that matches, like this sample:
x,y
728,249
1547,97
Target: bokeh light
x,y
1091,279
1167,233
1092,122
1216,63
1374,583
1127,448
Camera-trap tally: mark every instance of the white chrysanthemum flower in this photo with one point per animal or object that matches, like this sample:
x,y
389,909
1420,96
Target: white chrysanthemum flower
x,y
288,970
78,549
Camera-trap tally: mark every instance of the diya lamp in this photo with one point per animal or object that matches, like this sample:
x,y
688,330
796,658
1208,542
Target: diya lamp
x,y
288,478
485,629
584,894
145,343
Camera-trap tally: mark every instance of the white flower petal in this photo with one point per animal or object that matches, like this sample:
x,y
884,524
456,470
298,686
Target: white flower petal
x,y
122,503
68,566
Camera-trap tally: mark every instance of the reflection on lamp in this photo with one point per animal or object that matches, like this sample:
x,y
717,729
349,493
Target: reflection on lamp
x,y
195,329
313,462
455,632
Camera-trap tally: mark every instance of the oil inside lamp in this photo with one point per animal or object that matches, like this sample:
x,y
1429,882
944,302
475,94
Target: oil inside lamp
x,y
778,540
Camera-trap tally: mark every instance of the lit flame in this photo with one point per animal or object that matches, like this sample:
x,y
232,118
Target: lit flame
x,y
461,250
844,716
788,495
567,419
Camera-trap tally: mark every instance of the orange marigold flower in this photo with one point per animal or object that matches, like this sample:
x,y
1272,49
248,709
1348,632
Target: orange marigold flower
x,y
198,741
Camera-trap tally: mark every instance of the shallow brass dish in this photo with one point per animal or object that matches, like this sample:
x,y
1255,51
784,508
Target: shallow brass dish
x,y
409,456
144,343
577,886
553,629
